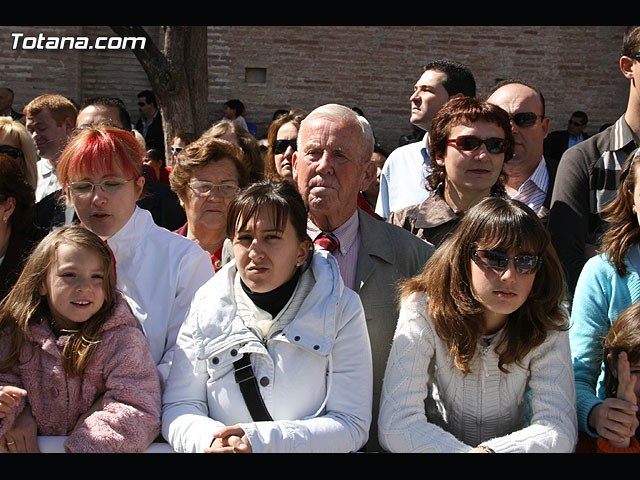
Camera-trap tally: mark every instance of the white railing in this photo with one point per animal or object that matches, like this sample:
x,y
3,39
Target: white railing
x,y
56,445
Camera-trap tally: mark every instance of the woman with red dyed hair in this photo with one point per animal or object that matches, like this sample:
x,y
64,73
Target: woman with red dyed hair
x,y
157,271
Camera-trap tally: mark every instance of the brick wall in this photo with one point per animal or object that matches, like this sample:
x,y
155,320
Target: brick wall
x,y
113,72
31,72
375,68
372,67
75,73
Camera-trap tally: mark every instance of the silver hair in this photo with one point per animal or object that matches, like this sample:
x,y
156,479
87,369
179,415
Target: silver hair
x,y
340,113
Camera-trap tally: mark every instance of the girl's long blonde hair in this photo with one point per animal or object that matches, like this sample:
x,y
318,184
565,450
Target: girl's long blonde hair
x,y
24,305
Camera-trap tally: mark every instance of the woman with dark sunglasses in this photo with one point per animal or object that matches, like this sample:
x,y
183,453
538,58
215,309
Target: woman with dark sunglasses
x,y
16,142
282,136
480,359
178,144
469,142
608,284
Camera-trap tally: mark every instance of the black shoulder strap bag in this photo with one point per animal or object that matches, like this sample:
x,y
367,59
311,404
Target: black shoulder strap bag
x,y
246,380
243,371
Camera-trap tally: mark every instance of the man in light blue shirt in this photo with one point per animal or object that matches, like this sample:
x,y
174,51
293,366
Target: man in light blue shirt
x,y
402,182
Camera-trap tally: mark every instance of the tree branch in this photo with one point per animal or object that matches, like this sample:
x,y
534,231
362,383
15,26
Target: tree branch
x,y
152,59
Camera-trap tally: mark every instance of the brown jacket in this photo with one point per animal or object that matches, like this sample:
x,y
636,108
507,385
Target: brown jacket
x,y
432,220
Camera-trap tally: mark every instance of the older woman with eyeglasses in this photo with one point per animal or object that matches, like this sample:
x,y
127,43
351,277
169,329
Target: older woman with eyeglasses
x,y
469,142
206,176
282,142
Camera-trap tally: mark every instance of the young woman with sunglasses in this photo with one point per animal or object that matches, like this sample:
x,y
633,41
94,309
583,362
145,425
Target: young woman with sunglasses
x,y
469,142
178,144
480,359
608,284
282,136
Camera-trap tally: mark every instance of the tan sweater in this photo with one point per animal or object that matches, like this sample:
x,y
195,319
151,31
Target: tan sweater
x,y
429,405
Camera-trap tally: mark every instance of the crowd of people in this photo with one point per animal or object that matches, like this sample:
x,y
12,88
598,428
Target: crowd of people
x,y
475,290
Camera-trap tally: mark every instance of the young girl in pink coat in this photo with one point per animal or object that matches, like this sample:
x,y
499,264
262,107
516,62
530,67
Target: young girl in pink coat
x,y
72,354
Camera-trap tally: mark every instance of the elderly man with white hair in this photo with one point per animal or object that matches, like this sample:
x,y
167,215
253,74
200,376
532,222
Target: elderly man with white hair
x,y
331,166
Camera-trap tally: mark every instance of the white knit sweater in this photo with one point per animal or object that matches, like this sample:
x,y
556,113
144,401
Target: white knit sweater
x,y
429,405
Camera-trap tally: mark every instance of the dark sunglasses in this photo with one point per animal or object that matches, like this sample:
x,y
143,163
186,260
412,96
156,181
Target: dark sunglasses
x,y
141,104
575,124
525,119
470,143
11,151
280,146
635,56
499,262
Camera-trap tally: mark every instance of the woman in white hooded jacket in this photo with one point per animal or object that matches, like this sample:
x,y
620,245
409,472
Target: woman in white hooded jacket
x,y
285,308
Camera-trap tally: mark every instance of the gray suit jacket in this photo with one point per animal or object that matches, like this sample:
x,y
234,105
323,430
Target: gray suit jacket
x,y
387,254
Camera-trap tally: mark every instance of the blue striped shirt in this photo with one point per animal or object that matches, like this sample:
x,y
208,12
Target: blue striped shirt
x,y
534,190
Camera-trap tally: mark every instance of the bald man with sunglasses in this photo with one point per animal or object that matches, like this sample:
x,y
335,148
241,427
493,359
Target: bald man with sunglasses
x,y
530,175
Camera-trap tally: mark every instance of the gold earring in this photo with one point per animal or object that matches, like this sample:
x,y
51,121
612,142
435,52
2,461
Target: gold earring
x,y
5,219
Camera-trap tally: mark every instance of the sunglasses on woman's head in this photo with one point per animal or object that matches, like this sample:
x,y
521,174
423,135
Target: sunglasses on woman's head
x,y
470,143
499,262
280,146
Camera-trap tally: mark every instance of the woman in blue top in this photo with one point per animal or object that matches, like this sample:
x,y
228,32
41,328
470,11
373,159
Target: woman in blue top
x,y
609,283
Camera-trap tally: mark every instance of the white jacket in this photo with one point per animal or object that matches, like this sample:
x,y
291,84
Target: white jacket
x,y
315,375
158,272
